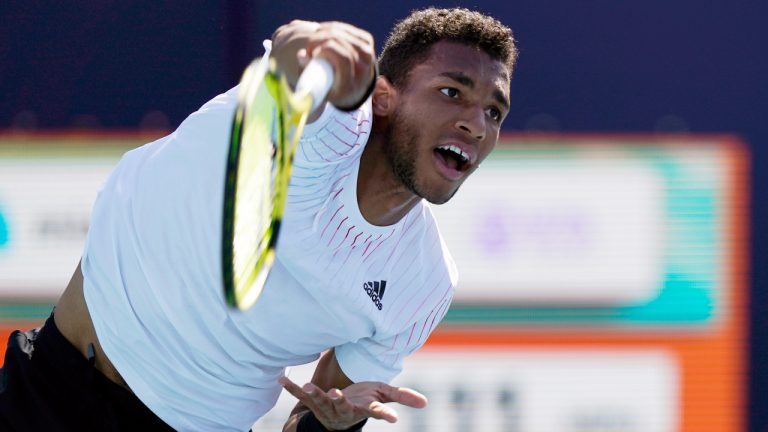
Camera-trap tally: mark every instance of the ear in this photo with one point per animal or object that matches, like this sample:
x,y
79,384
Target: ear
x,y
384,97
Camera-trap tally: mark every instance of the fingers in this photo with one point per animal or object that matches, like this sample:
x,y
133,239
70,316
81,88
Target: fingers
x,y
348,49
405,396
332,409
402,395
290,386
352,54
380,411
356,42
343,408
311,397
355,402
321,404
287,40
299,393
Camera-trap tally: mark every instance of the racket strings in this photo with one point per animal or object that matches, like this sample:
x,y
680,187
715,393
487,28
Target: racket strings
x,y
265,132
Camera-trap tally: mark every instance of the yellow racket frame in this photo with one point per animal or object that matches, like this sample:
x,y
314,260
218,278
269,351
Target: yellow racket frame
x,y
268,123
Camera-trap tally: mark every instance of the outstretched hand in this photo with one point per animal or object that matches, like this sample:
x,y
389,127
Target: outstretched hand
x,y
337,409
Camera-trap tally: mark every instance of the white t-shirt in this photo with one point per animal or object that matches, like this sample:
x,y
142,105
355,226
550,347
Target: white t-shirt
x,y
153,282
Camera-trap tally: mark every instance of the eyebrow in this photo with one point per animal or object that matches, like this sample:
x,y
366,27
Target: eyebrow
x,y
466,81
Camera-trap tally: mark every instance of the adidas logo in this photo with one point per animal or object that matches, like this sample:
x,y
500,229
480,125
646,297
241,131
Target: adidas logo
x,y
375,291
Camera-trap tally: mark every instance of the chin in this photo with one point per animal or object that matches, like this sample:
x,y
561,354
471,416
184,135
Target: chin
x,y
439,198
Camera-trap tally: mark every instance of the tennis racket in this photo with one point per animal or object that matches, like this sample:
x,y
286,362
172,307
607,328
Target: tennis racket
x,y
268,122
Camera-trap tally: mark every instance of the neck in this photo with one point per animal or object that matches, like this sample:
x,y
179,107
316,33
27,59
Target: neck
x,y
381,197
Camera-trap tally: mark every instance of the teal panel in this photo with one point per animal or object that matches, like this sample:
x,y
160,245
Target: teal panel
x,y
693,250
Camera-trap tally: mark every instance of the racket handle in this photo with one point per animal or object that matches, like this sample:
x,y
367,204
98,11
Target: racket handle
x,y
316,80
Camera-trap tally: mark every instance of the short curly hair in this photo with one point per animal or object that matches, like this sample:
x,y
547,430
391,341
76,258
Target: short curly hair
x,y
412,38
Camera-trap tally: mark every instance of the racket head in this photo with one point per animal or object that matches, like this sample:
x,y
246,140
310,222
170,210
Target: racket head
x,y
266,128
254,168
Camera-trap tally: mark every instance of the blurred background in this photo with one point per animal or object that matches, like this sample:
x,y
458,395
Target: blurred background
x,y
614,282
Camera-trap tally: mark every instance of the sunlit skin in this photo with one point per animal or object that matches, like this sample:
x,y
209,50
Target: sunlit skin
x,y
459,95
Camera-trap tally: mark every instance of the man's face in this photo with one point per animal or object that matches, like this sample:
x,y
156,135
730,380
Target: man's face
x,y
447,120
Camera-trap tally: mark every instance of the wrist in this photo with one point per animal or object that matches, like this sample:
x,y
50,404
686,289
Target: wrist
x,y
368,91
309,423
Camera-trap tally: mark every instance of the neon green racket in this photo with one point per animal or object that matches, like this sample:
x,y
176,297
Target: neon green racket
x,y
266,128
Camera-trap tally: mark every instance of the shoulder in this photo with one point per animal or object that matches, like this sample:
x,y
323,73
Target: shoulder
x,y
212,120
335,136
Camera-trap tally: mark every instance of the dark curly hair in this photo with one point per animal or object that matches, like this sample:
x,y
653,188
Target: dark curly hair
x,y
412,38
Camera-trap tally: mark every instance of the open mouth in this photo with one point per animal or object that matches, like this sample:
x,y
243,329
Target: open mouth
x,y
454,158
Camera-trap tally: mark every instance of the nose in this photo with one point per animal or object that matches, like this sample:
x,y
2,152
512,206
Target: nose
x,y
472,123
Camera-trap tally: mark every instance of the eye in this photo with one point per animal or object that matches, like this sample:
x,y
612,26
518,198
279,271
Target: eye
x,y
450,92
494,113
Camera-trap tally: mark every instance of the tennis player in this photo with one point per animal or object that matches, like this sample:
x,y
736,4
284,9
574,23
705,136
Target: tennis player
x,y
142,338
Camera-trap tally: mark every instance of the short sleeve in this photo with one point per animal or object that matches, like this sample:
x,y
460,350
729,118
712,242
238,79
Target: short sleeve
x,y
335,136
381,359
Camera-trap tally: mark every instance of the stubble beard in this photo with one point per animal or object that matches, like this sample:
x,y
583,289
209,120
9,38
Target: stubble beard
x,y
402,138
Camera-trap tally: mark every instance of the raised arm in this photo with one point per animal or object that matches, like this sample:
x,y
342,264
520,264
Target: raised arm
x,y
339,404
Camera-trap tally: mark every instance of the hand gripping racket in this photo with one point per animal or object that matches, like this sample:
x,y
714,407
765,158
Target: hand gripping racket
x,y
268,122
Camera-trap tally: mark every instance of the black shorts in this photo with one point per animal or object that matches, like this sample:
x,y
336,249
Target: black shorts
x,y
47,385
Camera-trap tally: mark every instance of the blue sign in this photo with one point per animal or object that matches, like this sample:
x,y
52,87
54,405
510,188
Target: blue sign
x,y
3,231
